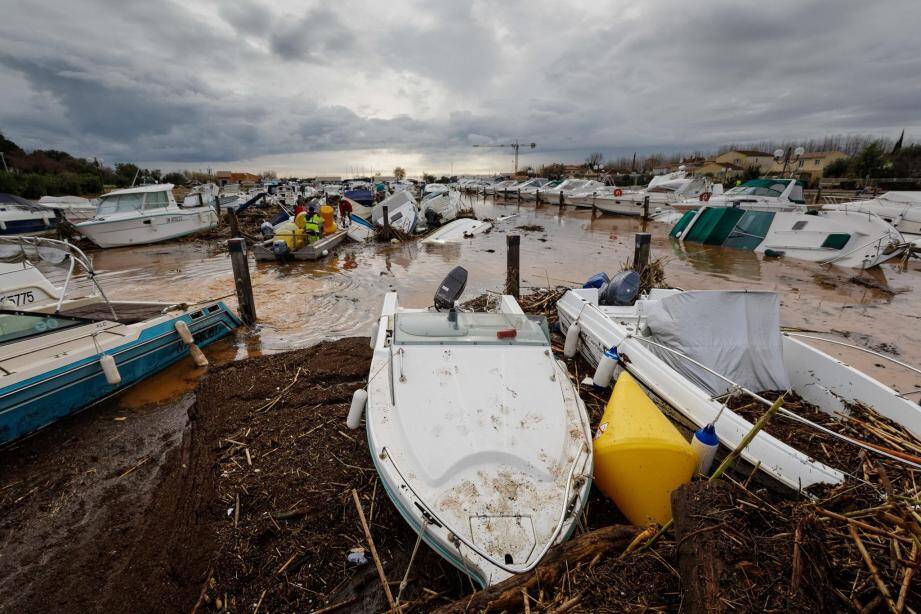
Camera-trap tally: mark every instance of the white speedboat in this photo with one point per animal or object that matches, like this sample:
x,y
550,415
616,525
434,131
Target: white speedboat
x,y
147,214
74,208
401,210
440,207
478,435
663,191
529,188
692,349
901,209
19,217
754,195
855,240
359,229
458,230
567,188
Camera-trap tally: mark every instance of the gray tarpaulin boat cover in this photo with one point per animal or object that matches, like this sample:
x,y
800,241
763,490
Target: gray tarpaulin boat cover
x,y
737,334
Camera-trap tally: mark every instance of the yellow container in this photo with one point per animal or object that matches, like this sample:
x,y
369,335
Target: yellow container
x,y
300,219
640,457
291,235
329,226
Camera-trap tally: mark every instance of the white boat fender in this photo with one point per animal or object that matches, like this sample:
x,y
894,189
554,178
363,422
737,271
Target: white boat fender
x,y
110,369
572,340
604,374
186,335
183,329
705,443
359,399
374,330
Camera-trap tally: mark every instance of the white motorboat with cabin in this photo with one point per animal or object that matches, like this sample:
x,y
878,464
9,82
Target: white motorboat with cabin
x,y
146,214
440,207
663,191
477,432
696,349
901,209
753,195
566,188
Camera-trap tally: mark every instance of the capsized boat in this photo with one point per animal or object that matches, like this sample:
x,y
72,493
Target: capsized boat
x,y
359,229
459,229
440,207
829,237
693,348
58,357
401,210
147,214
478,435
640,457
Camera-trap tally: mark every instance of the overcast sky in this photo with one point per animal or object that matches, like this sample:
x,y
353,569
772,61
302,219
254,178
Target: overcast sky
x,y
307,87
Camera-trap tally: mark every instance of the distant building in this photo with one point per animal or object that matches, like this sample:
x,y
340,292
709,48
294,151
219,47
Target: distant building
x,y
225,177
746,158
719,170
809,166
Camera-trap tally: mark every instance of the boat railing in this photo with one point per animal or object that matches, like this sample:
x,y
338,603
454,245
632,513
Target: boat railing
x,y
53,251
735,386
564,508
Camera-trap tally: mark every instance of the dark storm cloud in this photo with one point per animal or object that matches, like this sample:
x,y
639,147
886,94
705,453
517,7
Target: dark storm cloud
x,y
222,81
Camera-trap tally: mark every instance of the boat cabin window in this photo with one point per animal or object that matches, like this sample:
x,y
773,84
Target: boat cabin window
x,y
119,203
156,200
16,325
439,328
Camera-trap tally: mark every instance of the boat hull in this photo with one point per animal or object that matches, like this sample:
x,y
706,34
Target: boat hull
x,y
31,404
154,228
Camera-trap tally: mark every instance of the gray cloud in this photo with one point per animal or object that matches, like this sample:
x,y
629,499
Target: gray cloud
x,y
221,81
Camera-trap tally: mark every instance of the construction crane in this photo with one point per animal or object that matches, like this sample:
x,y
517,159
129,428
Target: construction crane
x,y
516,146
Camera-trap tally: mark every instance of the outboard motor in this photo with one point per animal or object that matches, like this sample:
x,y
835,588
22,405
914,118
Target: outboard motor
x,y
621,290
280,249
450,289
598,280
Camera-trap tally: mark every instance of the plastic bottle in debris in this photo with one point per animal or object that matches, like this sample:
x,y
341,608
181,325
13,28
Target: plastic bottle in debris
x,y
705,443
607,368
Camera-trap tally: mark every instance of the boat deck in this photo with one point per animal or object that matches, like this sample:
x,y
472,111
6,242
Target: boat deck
x,y
128,313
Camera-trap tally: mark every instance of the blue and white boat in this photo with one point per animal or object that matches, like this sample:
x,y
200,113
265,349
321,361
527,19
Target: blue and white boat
x,y
21,217
59,356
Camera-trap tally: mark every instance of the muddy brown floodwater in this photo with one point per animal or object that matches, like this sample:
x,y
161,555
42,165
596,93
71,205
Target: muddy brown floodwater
x,y
95,475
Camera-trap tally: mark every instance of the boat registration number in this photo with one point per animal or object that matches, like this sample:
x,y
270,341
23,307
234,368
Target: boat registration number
x,y
20,299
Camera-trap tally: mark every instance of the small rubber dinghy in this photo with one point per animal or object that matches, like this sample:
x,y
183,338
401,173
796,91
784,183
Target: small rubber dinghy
x,y
696,349
478,435
640,457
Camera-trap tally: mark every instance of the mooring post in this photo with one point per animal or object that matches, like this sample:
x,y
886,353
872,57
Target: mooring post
x,y
241,280
561,198
234,223
646,207
818,195
594,208
386,211
513,268
519,196
642,241
537,197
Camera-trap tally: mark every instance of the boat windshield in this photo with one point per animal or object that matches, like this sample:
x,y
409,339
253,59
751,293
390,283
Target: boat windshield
x,y
760,188
15,325
120,203
440,328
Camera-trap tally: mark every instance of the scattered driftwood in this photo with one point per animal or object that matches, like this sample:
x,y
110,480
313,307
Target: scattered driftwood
x,y
700,555
560,560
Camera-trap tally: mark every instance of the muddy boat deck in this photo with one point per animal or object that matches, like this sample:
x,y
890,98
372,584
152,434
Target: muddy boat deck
x,y
313,251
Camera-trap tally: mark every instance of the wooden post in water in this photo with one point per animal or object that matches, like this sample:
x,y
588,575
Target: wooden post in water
x,y
386,211
642,241
234,223
594,208
646,207
561,198
242,281
818,195
513,268
519,196
537,197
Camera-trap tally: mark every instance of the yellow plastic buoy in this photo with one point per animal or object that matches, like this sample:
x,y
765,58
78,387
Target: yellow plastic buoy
x,y
640,457
329,226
